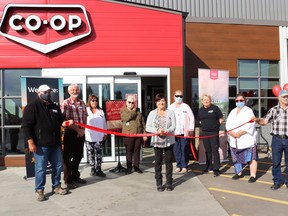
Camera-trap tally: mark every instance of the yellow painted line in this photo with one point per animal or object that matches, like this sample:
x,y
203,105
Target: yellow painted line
x,y
241,179
249,195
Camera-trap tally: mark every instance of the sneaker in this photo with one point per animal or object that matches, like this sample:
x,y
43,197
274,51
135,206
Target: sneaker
x,y
71,186
177,170
208,171
100,173
59,190
80,181
184,170
40,195
275,186
216,173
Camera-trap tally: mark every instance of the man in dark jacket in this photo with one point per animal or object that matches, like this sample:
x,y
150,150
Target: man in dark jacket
x,y
42,120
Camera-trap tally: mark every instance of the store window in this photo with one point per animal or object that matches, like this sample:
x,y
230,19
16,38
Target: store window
x,y
12,139
256,79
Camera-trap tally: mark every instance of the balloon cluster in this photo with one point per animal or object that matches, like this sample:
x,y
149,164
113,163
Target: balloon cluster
x,y
276,89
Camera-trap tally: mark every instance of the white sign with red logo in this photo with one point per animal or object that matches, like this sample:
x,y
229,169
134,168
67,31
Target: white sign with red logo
x,y
64,24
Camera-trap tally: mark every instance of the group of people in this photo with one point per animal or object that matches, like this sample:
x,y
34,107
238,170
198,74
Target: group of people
x,y
42,121
177,119
240,126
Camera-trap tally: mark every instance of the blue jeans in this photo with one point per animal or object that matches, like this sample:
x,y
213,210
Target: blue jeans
x,y
181,152
42,156
278,146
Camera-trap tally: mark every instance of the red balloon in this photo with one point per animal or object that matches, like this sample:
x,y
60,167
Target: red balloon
x,y
276,89
245,94
285,87
250,93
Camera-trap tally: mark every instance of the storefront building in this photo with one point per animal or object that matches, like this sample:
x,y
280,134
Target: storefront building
x,y
146,47
109,48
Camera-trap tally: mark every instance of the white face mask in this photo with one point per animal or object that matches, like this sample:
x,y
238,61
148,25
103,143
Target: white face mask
x,y
178,100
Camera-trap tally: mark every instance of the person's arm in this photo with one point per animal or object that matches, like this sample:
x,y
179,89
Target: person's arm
x,y
261,121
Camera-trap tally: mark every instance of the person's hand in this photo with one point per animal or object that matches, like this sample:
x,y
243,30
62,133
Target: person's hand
x,y
32,147
80,132
253,119
145,138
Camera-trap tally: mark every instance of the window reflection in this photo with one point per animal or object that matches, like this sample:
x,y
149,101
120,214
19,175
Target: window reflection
x,y
12,85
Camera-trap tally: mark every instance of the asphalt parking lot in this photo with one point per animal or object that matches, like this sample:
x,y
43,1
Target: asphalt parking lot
x,y
238,197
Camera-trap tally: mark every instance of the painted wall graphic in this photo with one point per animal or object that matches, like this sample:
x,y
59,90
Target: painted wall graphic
x,y
216,84
29,89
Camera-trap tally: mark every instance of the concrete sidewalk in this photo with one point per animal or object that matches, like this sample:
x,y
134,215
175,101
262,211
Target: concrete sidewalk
x,y
117,194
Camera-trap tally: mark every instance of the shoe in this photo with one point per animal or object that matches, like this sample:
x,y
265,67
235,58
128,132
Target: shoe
x,y
93,171
100,174
138,170
128,172
252,179
216,173
80,181
208,170
160,188
184,170
40,195
275,186
59,190
169,187
177,170
236,177
71,186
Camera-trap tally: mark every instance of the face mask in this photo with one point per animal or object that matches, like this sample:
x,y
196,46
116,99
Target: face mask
x,y
178,100
240,104
45,97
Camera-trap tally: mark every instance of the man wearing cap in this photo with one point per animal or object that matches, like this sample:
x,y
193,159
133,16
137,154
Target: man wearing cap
x,y
278,116
42,120
75,109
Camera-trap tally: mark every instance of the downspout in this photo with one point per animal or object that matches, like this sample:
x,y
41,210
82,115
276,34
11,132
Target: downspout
x,y
184,16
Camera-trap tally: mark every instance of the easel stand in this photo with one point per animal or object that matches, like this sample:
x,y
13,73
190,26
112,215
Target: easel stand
x,y
119,168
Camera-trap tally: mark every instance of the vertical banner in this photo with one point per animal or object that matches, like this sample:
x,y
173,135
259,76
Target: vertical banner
x,y
216,84
29,90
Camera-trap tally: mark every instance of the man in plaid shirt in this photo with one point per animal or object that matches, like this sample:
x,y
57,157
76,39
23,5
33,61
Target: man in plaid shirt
x,y
73,109
278,116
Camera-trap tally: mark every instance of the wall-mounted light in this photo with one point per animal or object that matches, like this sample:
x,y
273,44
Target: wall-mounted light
x,y
132,73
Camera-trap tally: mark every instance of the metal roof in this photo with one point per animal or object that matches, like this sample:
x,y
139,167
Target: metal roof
x,y
259,12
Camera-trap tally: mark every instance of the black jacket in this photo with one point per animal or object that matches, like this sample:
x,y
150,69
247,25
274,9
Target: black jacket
x,y
42,122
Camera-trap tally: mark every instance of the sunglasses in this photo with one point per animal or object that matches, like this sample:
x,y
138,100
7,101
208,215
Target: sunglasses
x,y
130,102
94,100
239,100
179,96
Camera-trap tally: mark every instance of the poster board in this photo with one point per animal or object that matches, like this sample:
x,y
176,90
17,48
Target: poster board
x,y
216,84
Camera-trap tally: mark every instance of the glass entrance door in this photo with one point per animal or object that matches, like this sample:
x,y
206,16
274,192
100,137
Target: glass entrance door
x,y
113,88
101,86
124,86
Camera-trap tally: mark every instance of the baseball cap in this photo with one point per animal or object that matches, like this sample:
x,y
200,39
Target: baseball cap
x,y
283,93
43,88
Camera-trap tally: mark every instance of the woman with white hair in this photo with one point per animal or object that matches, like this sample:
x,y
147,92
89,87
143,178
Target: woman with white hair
x,y
132,123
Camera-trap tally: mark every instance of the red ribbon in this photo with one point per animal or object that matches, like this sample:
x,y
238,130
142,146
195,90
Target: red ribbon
x,y
150,134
